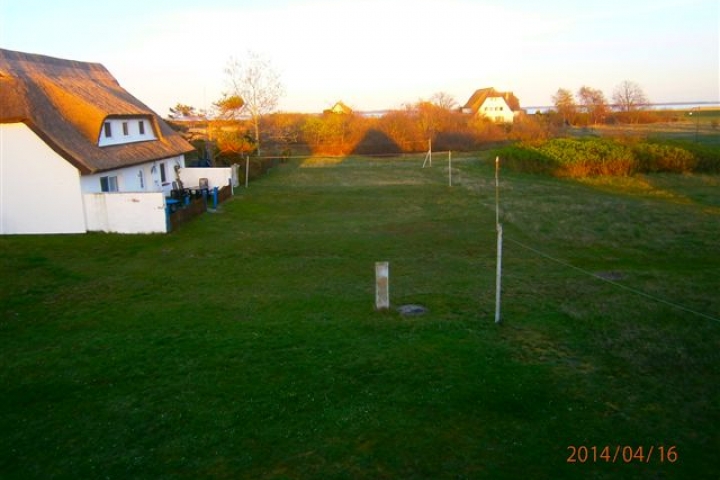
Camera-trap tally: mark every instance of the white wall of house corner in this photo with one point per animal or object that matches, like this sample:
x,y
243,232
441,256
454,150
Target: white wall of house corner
x,y
492,104
138,212
39,190
129,178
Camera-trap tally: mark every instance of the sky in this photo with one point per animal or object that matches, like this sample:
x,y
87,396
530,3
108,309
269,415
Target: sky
x,y
381,54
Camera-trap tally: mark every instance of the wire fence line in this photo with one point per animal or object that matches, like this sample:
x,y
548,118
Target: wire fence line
x,y
569,265
612,282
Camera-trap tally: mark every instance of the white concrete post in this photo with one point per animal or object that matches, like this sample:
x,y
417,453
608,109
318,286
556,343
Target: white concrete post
x,y
382,285
498,273
498,225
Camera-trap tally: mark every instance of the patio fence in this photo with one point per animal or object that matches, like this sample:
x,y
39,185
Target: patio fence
x,y
196,207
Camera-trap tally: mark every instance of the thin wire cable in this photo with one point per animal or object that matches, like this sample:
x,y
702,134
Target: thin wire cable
x,y
616,284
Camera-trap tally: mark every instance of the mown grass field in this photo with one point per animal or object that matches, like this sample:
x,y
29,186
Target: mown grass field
x,y
246,345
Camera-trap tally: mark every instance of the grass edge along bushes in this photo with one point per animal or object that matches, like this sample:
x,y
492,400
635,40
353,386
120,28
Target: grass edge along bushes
x,y
588,157
706,156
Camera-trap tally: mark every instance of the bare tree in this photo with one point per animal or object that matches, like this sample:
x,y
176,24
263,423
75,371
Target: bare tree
x,y
593,103
258,85
629,96
443,100
565,105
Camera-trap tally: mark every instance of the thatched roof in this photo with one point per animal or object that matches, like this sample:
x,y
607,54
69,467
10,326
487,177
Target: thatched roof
x,y
339,108
66,102
479,97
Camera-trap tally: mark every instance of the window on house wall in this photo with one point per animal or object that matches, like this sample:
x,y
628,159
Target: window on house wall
x,y
109,184
163,177
108,129
126,130
141,127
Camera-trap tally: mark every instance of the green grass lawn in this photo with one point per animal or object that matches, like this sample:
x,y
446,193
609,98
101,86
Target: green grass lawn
x,y
246,345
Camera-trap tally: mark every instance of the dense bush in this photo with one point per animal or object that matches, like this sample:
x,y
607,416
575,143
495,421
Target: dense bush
x,y
572,158
707,157
589,157
524,158
656,157
599,156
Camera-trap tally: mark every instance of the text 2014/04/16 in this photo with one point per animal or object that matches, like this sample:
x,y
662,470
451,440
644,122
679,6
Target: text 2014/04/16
x,y
622,453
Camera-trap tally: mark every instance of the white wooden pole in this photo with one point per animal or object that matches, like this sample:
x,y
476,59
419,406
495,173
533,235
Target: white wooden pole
x,y
498,227
498,277
382,285
450,168
497,190
430,150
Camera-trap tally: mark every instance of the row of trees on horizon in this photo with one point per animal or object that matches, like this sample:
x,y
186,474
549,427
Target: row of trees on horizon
x,y
245,119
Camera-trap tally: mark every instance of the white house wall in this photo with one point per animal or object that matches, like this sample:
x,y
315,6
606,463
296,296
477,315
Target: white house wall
x,y
125,212
39,190
217,177
497,109
128,178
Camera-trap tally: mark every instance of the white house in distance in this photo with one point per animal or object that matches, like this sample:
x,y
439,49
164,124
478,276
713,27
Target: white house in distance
x,y
500,107
69,133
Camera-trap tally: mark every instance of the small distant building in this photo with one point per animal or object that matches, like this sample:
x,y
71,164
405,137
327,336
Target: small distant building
x,y
500,107
339,109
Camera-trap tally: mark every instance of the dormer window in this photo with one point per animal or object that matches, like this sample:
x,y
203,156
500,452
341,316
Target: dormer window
x,y
126,129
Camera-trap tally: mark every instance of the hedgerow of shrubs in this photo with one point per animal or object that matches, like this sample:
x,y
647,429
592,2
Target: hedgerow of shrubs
x,y
656,157
707,157
565,157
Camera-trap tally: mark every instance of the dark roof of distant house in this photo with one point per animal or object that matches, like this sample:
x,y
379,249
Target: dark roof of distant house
x,y
66,102
479,97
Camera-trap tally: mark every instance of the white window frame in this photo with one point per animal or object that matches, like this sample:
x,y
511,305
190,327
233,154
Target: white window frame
x,y
109,183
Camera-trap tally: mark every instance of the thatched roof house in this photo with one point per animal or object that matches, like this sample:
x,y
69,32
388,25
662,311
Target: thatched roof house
x,y
79,152
66,103
340,109
498,106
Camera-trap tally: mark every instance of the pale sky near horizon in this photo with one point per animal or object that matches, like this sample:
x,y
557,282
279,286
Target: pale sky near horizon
x,y
381,54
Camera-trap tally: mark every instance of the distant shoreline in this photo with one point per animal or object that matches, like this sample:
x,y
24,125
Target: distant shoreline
x,y
707,105
653,106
